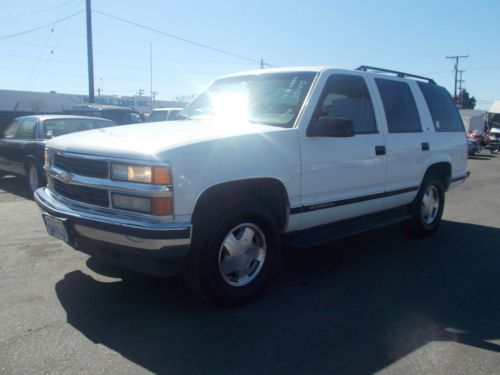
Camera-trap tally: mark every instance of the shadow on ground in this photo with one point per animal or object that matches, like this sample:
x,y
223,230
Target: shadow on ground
x,y
16,185
353,306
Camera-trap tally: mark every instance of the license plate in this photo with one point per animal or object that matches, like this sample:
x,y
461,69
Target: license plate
x,y
55,227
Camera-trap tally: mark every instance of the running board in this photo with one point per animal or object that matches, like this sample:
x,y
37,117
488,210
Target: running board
x,y
331,232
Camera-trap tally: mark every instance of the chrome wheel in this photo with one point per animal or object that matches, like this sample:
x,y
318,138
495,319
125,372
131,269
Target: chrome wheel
x,y
430,204
242,254
33,178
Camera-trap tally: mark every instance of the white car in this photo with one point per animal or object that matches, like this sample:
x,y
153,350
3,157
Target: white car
x,y
302,156
163,114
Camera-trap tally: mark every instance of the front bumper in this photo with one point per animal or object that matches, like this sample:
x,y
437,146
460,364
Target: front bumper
x,y
152,247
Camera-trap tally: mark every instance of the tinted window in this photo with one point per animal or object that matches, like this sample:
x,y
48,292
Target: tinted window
x,y
11,130
444,113
399,106
347,97
56,127
27,129
158,116
173,113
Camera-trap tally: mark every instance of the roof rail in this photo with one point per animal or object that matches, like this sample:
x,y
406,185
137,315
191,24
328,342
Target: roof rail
x,y
366,68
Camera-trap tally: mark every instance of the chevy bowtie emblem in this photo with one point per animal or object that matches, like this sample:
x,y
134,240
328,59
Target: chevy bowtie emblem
x,y
65,177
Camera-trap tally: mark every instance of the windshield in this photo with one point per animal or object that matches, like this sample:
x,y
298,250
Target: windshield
x,y
270,99
494,120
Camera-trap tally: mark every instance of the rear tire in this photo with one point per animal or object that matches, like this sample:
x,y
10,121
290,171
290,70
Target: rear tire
x,y
232,253
427,207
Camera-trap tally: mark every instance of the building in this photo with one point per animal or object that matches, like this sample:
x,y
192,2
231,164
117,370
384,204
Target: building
x,y
28,101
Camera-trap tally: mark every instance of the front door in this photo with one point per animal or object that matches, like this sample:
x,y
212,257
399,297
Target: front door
x,y
343,177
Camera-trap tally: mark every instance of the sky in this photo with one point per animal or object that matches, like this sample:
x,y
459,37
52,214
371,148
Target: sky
x,y
409,36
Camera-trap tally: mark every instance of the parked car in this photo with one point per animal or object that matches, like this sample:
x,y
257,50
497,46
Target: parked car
x,y
492,140
119,114
303,156
473,147
163,114
22,142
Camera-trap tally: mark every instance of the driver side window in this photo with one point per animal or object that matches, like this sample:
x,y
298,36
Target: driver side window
x,y
347,97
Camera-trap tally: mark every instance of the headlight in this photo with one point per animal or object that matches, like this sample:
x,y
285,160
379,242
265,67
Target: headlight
x,y
141,173
161,206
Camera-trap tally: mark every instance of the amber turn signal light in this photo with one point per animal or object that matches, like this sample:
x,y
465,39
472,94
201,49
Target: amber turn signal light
x,y
162,206
161,176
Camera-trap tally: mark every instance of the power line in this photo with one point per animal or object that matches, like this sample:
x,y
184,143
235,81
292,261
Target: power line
x,y
178,37
37,11
42,27
135,56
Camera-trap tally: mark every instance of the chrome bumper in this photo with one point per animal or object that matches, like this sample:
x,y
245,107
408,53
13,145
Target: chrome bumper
x,y
116,229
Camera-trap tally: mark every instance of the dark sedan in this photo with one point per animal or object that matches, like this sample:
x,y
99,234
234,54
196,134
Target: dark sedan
x,y
22,143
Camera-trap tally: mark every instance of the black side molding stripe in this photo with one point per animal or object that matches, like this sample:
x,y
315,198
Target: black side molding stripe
x,y
343,202
459,178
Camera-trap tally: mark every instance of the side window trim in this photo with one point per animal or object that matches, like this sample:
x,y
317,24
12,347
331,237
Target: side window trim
x,y
369,90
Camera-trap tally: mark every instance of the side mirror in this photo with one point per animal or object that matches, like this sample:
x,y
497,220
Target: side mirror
x,y
331,127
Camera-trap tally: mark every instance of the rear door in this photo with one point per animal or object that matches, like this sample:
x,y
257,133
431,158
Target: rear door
x,y
6,145
16,147
407,142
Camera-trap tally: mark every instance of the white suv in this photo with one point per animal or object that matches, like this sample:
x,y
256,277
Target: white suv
x,y
302,156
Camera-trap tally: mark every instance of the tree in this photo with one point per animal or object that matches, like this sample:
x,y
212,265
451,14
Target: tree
x,y
466,100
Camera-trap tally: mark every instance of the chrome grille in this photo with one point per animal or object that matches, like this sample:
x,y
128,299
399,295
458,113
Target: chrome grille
x,y
82,166
98,197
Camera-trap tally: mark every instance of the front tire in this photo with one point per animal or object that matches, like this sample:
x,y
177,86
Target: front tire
x,y
34,176
232,253
427,208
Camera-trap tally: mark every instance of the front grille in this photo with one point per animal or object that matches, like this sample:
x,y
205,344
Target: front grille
x,y
81,166
98,197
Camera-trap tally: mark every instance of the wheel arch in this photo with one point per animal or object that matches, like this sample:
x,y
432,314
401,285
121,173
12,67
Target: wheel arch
x,y
269,190
443,169
29,158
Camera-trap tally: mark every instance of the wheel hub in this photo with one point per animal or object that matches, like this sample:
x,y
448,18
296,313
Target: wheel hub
x,y
430,204
242,254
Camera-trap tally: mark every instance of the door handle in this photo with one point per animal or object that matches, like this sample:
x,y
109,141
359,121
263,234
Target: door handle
x,y
379,150
425,146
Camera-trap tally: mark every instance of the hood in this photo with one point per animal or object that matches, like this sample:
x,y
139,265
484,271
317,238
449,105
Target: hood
x,y
143,141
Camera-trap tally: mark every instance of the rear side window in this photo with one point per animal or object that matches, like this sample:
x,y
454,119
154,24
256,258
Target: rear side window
x,y
56,127
347,97
158,116
11,130
26,131
399,106
443,111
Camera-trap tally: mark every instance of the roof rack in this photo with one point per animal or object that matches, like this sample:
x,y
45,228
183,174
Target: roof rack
x,y
366,68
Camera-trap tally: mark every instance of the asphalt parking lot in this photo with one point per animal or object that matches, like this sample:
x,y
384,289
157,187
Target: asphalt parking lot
x,y
376,302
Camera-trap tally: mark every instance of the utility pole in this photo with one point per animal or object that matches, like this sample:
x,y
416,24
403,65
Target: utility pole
x,y
151,76
140,92
457,59
262,63
153,98
460,92
90,54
